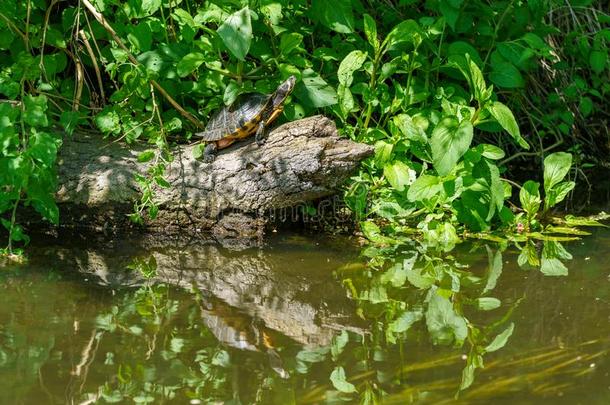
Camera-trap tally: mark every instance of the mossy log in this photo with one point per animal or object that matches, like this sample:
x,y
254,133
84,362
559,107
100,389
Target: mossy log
x,y
299,162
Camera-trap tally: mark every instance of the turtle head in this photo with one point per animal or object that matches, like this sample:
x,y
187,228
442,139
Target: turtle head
x,y
284,90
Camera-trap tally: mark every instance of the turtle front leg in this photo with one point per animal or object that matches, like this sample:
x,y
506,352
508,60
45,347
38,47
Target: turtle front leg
x,y
209,153
260,134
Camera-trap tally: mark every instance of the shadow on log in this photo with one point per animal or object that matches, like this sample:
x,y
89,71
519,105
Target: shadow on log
x,y
300,161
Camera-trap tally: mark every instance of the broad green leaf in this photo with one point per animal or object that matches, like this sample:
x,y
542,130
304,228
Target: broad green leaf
x,y
507,120
444,324
338,344
290,41
313,355
505,74
491,151
140,37
146,156
425,187
449,141
406,31
314,91
189,63
55,37
556,167
36,111
403,323
352,62
43,147
494,260
336,15
372,232
551,266
558,193
500,340
529,196
370,30
529,255
399,175
409,129
69,120
395,275
598,60
337,377
450,11
108,121
488,303
236,33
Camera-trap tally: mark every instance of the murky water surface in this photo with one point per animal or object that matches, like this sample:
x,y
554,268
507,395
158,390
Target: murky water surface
x,y
305,320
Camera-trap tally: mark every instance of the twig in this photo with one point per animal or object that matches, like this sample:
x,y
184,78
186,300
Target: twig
x,y
94,62
100,18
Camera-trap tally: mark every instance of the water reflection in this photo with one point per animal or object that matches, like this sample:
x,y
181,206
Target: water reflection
x,y
307,321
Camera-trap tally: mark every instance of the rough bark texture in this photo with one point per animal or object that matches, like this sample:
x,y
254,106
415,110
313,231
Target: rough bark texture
x,y
299,162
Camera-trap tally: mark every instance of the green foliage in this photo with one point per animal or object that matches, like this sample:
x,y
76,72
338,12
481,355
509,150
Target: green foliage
x,y
440,88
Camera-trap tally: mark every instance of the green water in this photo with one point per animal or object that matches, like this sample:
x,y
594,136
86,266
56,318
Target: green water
x,y
272,324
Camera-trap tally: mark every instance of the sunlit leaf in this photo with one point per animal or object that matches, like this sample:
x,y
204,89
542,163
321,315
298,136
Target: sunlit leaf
x,y
236,33
507,120
500,340
449,141
337,377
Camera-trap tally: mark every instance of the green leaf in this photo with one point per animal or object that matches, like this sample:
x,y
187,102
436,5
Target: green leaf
x,y
55,37
491,151
314,91
556,167
337,377
236,33
505,74
372,232
352,62
108,121
403,323
449,141
407,31
289,42
69,120
336,15
488,303
558,193
189,63
409,129
395,275
399,175
507,120
444,324
424,188
338,344
529,196
43,147
495,268
140,37
500,340
598,60
35,111
146,156
370,30
585,106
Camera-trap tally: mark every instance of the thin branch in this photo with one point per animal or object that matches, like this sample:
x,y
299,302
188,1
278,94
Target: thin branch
x,y
94,62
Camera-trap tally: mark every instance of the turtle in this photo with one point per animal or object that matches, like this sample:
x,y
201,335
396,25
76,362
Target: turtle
x,y
250,113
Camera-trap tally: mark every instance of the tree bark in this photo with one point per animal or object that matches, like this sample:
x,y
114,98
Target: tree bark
x,y
300,161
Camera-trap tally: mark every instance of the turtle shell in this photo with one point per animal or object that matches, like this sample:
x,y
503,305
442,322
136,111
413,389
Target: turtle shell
x,y
238,120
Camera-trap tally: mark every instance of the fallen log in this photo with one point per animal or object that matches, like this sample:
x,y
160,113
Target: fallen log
x,y
300,161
